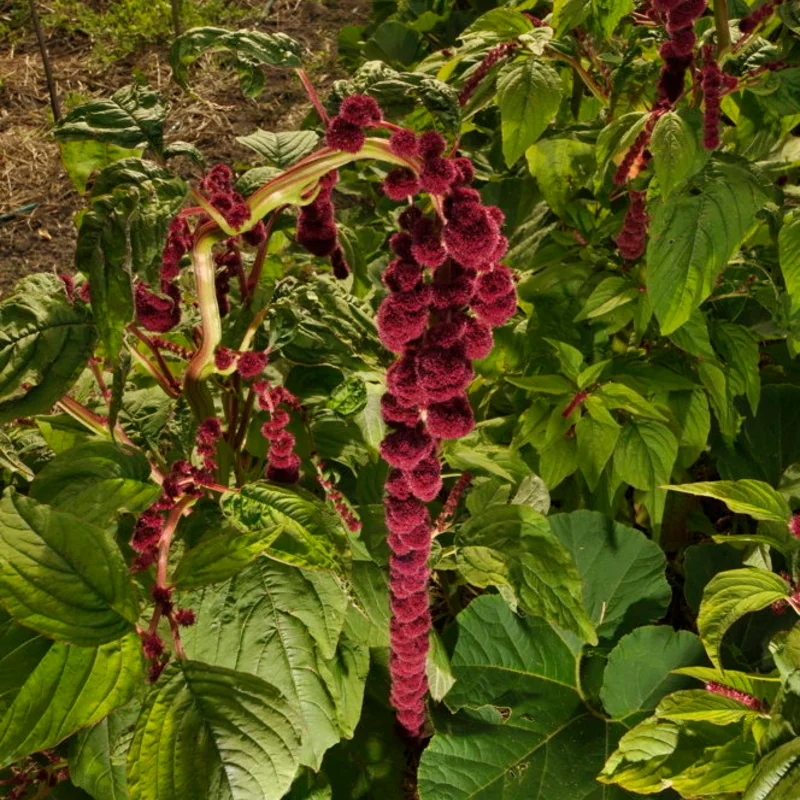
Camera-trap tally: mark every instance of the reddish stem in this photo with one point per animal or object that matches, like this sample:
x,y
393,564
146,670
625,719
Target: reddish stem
x,y
313,96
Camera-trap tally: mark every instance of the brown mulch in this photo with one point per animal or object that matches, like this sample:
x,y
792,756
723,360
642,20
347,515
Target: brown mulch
x,y
211,118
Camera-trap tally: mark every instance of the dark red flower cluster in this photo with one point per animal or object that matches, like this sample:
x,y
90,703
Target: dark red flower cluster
x,y
749,23
735,694
34,776
283,464
346,129
334,496
217,186
496,54
632,239
249,364
794,525
711,82
316,225
179,242
447,291
158,312
678,50
172,347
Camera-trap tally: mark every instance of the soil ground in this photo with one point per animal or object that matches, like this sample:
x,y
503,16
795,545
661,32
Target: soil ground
x,y
210,118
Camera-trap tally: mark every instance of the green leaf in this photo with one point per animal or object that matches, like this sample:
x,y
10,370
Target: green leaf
x,y
777,775
693,417
528,96
618,395
693,236
727,771
97,755
674,148
70,688
21,650
645,454
281,149
285,625
720,394
610,294
568,13
622,571
95,481
609,13
84,157
754,498
740,349
639,669
122,234
512,545
731,595
523,730
544,384
298,528
620,134
440,673
596,443
62,576
496,26
789,256
133,118
561,168
700,704
45,344
349,398
252,49
240,730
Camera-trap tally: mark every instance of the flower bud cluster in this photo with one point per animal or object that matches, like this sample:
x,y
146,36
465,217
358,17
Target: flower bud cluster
x,y
334,496
316,224
678,50
447,290
217,186
35,776
283,464
495,55
735,694
749,23
712,83
632,239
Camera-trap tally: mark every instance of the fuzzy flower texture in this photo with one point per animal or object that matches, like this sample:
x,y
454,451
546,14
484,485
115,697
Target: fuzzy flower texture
x,y
447,290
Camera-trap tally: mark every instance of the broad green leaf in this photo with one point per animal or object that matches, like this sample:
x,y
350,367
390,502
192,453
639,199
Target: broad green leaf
x,y
496,26
45,344
122,234
674,146
731,595
739,347
720,394
777,775
522,729
561,168
622,571
544,384
528,96
558,461
693,416
84,157
133,118
297,527
789,255
70,688
766,445
638,673
692,237
285,625
610,294
618,395
620,134
609,13
219,558
596,443
512,545
764,687
97,754
591,374
440,673
652,755
569,13
21,650
727,771
754,498
252,48
701,562
95,481
241,732
62,576
698,704
349,398
281,149
645,454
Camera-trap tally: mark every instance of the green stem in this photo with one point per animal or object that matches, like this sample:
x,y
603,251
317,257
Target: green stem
x,y
722,26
